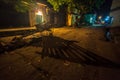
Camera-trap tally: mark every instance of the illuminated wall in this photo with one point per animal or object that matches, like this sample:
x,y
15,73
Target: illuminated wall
x,y
115,12
38,15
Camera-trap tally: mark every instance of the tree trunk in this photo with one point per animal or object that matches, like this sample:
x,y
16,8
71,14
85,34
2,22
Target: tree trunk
x,y
69,19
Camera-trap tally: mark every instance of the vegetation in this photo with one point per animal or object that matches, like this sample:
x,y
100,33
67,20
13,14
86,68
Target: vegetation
x,y
80,7
83,6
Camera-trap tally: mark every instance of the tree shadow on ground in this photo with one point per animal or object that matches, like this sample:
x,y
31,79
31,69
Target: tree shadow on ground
x,y
59,48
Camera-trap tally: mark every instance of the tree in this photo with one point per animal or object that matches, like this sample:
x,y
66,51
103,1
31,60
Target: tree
x,y
81,6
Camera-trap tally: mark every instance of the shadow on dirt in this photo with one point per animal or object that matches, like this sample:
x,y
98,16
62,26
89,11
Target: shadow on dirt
x,y
59,48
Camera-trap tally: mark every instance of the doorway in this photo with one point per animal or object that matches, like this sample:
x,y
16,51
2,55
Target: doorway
x,y
38,19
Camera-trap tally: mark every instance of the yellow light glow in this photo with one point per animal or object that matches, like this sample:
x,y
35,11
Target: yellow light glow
x,y
39,13
99,17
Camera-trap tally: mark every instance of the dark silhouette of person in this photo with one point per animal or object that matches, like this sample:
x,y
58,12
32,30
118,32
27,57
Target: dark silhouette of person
x,y
107,34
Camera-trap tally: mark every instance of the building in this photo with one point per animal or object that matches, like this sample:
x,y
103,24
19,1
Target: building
x,y
115,12
11,18
39,15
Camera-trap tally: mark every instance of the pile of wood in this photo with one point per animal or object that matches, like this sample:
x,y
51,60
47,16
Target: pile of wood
x,y
16,43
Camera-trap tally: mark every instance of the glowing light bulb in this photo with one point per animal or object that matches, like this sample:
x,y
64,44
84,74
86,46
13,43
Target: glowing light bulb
x,y
39,13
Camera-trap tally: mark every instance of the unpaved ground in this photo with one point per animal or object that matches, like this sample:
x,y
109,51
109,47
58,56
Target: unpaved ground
x,y
25,64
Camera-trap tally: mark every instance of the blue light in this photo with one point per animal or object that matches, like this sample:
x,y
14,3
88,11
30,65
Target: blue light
x,y
107,18
91,20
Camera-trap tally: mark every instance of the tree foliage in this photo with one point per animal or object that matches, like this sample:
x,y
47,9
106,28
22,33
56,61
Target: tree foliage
x,y
83,6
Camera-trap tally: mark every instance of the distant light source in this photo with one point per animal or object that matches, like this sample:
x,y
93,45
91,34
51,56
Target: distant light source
x,y
99,17
107,18
91,20
39,13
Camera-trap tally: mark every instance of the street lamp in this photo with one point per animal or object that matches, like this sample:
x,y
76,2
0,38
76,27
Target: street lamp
x,y
39,13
